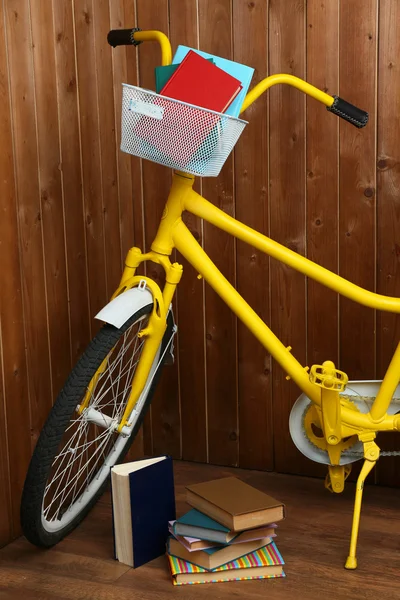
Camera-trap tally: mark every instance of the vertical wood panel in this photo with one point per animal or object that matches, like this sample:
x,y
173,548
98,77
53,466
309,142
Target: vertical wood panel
x,y
29,212
108,161
251,192
388,208
71,176
322,173
52,210
29,307
287,201
215,23
120,66
322,179
5,504
72,204
132,208
165,417
13,377
90,149
357,185
190,297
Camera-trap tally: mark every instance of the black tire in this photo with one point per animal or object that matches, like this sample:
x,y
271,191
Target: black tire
x,y
57,422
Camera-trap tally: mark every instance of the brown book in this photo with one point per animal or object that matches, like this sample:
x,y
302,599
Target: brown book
x,y
234,503
215,557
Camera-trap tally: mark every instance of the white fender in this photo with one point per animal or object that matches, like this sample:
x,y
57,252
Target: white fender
x,y
119,310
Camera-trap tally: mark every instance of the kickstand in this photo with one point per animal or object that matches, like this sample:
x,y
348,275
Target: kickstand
x,y
371,455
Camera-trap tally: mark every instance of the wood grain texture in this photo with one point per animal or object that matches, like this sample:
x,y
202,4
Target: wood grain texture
x,y
14,387
252,266
72,204
6,532
121,63
108,154
50,189
287,208
322,193
91,156
388,208
27,197
220,323
71,172
312,540
165,410
357,64
322,171
190,296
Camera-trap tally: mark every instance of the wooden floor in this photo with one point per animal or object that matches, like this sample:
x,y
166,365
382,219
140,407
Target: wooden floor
x,y
313,540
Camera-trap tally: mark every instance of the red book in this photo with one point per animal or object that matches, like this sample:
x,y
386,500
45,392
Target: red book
x,y
200,82
181,130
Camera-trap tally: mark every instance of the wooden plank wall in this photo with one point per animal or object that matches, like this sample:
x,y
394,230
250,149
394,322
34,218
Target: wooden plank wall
x,y
71,204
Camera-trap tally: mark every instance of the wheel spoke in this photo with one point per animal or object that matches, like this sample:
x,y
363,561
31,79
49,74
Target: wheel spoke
x,y
89,447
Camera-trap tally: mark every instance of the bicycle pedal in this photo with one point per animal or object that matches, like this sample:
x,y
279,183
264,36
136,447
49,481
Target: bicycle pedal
x,y
328,378
336,477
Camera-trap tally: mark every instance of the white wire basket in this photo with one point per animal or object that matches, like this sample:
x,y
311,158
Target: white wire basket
x,y
176,134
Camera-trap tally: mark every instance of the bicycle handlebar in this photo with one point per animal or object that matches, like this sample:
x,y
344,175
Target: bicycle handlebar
x,y
336,105
135,36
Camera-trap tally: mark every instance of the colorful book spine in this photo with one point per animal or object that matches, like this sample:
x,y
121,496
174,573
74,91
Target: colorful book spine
x,y
268,556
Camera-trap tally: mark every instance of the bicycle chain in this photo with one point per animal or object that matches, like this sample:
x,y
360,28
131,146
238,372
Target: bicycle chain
x,y
381,453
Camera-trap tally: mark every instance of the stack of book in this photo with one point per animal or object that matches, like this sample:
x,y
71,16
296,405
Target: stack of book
x,y
228,535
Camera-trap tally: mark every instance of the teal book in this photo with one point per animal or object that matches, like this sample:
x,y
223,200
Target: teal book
x,y
197,525
241,72
163,73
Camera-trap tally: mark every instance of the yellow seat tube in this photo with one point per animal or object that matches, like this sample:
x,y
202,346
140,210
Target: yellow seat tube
x,y
156,36
387,388
296,82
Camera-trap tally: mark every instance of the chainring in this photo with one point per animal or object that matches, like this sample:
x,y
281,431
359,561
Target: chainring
x,y
313,428
307,435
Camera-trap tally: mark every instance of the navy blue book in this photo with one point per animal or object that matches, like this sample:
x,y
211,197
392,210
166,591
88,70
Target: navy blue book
x,y
143,501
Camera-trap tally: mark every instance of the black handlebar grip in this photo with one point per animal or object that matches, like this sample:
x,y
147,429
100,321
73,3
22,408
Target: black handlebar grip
x,y
349,112
122,37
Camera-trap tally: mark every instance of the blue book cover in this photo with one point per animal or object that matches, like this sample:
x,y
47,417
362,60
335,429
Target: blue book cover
x,y
198,519
241,72
147,492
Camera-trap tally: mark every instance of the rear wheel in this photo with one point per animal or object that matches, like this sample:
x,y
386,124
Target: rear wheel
x,y
71,463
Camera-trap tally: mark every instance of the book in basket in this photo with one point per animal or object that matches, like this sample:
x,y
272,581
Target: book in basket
x,y
181,128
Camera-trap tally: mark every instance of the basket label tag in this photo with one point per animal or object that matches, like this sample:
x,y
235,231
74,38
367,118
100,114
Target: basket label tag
x,y
146,108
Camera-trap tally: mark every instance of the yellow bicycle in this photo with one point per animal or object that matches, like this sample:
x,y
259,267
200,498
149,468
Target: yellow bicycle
x,y
101,407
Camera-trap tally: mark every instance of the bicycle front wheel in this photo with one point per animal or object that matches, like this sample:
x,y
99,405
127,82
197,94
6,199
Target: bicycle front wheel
x,y
71,463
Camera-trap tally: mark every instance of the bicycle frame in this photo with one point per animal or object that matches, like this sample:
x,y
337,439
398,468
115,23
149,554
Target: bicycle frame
x,y
333,413
173,233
